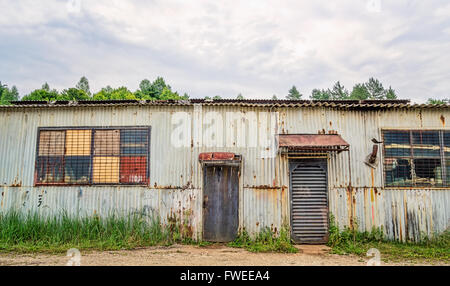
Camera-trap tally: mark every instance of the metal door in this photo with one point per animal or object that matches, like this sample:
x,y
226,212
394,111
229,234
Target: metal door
x,y
309,201
220,203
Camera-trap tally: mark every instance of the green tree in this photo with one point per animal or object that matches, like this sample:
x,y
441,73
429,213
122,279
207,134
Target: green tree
x,y
83,85
438,101
44,93
7,95
240,96
157,90
375,89
217,97
73,94
294,94
360,92
390,94
167,94
109,93
45,86
274,97
338,92
158,85
320,94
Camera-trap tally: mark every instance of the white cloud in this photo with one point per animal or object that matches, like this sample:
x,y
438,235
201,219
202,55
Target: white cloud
x,y
257,48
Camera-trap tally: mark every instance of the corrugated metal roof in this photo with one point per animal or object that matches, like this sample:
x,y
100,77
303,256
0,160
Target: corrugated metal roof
x,y
347,104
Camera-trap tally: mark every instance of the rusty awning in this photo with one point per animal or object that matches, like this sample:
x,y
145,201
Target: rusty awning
x,y
219,158
313,142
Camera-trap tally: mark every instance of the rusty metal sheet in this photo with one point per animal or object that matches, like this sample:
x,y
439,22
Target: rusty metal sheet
x,y
107,142
311,140
216,156
220,203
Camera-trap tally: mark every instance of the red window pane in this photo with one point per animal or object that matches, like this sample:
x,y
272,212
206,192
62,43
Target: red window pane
x,y
133,170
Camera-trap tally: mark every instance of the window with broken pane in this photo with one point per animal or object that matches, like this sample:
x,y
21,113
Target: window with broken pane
x,y
416,158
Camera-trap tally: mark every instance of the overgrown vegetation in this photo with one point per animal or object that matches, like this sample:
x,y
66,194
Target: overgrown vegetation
x,y
265,241
350,241
34,233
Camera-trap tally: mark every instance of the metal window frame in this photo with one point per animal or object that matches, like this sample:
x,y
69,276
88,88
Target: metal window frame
x,y
91,156
441,157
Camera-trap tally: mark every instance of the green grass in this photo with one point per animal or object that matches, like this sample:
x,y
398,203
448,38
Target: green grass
x,y
34,233
265,241
347,241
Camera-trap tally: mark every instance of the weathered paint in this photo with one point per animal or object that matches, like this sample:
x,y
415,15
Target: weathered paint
x,y
356,191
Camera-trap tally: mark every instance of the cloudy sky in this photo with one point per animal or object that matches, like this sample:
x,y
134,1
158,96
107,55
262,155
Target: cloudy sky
x,y
207,48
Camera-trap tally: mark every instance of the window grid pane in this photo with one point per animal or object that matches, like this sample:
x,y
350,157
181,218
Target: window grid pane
x,y
414,158
93,156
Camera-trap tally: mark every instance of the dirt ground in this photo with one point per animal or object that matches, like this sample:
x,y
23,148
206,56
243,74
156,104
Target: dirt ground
x,y
186,255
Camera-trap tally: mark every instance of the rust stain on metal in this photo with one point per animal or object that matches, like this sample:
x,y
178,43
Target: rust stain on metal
x,y
312,140
443,120
216,156
263,187
16,184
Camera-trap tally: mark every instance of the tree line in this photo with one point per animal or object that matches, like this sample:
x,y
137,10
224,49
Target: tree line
x,y
156,90
372,89
159,90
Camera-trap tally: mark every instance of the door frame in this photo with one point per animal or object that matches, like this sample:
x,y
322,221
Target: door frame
x,y
323,162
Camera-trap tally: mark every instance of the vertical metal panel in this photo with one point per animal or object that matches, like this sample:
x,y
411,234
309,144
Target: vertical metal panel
x,y
264,208
309,201
403,214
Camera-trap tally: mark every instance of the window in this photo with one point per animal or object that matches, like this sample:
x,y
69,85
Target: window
x,y
417,158
77,156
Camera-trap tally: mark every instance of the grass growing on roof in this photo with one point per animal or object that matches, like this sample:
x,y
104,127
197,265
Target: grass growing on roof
x,y
348,241
35,233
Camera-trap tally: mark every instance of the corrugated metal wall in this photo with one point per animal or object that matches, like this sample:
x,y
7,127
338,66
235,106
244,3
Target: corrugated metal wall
x,y
176,177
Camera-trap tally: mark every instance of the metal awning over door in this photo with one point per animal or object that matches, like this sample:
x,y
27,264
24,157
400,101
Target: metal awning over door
x,y
312,142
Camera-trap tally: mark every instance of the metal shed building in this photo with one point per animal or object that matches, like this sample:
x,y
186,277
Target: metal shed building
x,y
225,165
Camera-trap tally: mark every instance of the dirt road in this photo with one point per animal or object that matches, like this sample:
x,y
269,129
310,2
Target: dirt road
x,y
186,255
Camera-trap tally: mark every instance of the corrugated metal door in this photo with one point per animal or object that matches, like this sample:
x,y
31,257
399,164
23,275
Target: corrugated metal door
x,y
220,203
309,201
